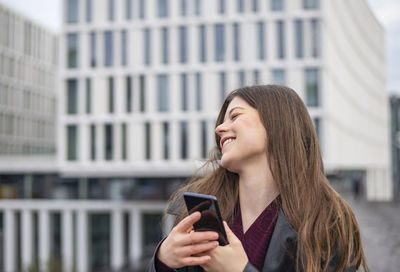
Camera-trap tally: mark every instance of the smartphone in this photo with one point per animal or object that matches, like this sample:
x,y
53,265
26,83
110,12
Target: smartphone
x,y
211,219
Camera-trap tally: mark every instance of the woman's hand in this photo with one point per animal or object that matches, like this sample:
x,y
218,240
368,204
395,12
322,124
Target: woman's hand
x,y
177,249
231,257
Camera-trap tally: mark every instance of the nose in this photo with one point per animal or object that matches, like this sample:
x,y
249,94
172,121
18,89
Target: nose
x,y
221,128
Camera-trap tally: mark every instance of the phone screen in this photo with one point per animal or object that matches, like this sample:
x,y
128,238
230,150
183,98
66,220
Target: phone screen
x,y
211,219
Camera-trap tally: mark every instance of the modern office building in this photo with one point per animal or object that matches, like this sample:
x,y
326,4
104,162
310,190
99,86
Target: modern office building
x,y
395,140
141,85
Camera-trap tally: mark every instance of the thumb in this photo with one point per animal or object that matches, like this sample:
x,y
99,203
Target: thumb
x,y
231,236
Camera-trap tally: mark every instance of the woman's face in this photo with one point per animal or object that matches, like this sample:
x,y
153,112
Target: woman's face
x,y
243,136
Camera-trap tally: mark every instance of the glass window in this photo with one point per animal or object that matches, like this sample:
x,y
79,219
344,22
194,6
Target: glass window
x,y
240,6
92,49
310,4
184,140
128,84
108,142
92,142
124,142
88,95
164,45
203,43
89,11
315,38
72,154
142,9
312,87
111,10
236,42
124,47
147,44
277,5
184,7
242,78
72,47
72,96
254,5
219,42
108,49
197,7
278,76
221,6
163,92
316,122
142,88
256,76
222,86
110,95
162,8
183,54
261,40
147,135
166,140
184,90
128,9
280,30
204,139
199,92
72,11
299,34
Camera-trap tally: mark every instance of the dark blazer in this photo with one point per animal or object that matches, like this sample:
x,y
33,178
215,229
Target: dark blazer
x,y
281,254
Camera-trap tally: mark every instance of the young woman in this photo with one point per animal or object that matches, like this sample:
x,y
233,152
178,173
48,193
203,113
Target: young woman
x,y
268,176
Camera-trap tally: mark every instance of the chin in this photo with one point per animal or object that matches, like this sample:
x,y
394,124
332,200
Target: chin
x,y
228,164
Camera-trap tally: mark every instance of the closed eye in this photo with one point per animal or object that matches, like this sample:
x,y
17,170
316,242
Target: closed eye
x,y
233,117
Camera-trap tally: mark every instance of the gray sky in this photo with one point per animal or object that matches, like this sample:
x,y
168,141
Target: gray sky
x,y
48,13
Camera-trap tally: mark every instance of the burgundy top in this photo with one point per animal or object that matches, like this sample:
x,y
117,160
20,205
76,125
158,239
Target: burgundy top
x,y
256,239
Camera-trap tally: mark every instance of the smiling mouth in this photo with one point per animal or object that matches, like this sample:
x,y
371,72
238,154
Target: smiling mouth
x,y
227,142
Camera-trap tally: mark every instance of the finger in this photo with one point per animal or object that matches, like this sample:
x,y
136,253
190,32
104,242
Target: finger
x,y
191,261
187,223
229,233
198,248
201,236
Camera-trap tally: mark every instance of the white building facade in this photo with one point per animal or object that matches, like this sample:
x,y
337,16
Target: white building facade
x,y
141,85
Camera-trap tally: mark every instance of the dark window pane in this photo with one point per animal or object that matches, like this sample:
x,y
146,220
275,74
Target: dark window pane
x,y
124,47
111,10
72,143
312,87
108,142
184,90
197,7
278,76
254,5
92,142
184,7
204,139
261,40
163,92
280,29
108,49
128,83
110,95
315,38
299,38
142,86
222,86
124,142
166,140
219,42
242,78
236,42
183,46
142,9
221,6
164,45
147,46
199,92
162,8
100,241
148,141
184,140
128,9
89,10
72,96
72,11
203,43
240,6
72,50
311,4
277,5
93,49
88,95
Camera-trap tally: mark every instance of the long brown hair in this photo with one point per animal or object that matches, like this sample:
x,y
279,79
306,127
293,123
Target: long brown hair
x,y
324,221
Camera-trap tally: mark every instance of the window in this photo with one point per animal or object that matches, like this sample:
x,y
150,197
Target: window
x,y
197,7
310,4
184,140
278,76
108,142
261,40
163,93
124,48
221,6
128,9
72,96
222,86
315,38
147,44
199,92
204,139
316,122
254,6
184,7
128,88
184,90
277,5
219,42
108,49
312,87
203,43
280,30
242,78
256,76
162,8
89,11
147,136
88,95
240,6
142,9
142,88
236,42
72,11
164,45
72,143
183,54
124,142
92,49
72,47
111,10
110,95
299,41
166,140
92,142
